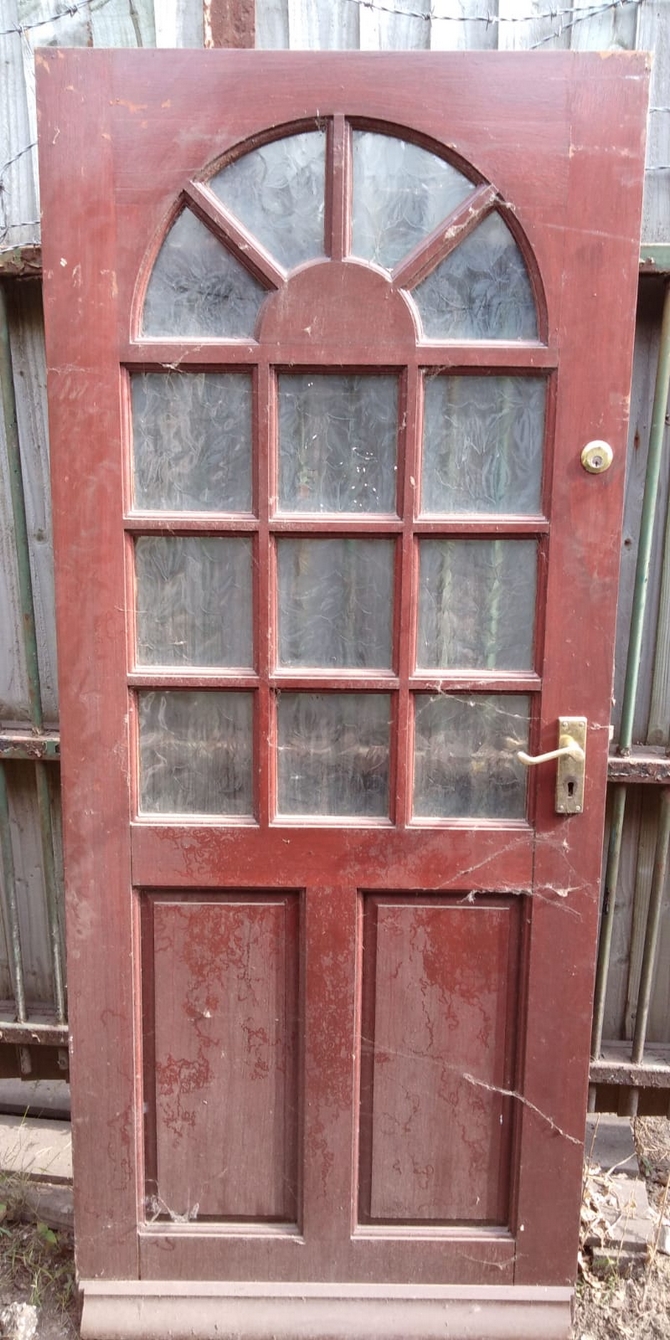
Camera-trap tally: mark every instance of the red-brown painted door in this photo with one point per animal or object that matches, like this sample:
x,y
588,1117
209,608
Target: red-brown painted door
x,y
327,337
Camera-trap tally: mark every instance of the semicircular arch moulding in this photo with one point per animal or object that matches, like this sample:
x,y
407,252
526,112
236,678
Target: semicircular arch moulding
x,y
439,234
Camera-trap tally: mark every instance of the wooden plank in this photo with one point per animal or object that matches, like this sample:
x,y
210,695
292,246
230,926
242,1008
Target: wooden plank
x,y
21,262
26,847
19,200
650,301
179,23
617,981
614,28
323,26
455,28
402,25
646,851
654,35
272,32
28,358
516,32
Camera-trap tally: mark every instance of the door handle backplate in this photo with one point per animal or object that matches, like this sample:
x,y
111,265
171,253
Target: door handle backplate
x,y
570,758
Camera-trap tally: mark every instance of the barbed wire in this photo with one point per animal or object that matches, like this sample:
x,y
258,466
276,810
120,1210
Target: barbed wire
x,y
430,15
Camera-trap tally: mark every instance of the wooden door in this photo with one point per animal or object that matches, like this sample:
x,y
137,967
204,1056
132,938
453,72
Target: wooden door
x,y
327,336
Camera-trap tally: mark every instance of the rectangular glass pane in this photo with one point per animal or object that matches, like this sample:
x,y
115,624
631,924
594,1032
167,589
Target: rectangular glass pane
x,y
482,445
194,601
476,604
465,764
196,752
192,441
335,602
337,443
333,754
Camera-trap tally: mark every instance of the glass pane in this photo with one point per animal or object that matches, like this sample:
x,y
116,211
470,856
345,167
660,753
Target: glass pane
x,y
192,441
333,753
476,604
194,601
480,291
337,443
335,602
465,764
196,753
400,195
197,287
278,192
482,445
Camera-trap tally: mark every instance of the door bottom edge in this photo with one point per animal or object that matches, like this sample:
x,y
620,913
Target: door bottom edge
x,y
197,1310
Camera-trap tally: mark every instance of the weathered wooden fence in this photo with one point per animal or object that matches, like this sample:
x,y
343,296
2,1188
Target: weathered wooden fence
x,y
632,1020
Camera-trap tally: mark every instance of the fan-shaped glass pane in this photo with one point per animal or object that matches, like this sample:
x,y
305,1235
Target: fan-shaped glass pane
x,y
482,445
278,192
198,288
480,291
401,193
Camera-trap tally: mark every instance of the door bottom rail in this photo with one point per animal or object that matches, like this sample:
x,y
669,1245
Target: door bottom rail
x,y
125,1309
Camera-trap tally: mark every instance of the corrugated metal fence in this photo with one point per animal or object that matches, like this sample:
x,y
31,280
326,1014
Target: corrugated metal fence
x,y
632,1025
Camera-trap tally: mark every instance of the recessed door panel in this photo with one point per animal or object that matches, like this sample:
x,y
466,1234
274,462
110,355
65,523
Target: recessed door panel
x,y
439,1027
221,1018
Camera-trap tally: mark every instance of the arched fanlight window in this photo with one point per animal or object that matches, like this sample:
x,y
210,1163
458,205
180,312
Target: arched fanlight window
x,y
411,214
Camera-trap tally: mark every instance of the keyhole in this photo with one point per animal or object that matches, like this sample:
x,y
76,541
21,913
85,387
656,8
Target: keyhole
x,y
571,788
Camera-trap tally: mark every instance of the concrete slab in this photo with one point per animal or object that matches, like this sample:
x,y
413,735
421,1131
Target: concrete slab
x,y
609,1144
38,1149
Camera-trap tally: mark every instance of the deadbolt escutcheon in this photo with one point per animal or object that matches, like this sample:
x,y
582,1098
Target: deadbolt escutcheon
x,y
597,457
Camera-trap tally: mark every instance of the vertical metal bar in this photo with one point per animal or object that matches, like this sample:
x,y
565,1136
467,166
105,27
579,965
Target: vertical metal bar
x,y
30,648
651,485
653,926
10,905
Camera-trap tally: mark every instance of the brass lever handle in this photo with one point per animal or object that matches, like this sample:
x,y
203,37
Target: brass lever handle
x,y
571,756
568,747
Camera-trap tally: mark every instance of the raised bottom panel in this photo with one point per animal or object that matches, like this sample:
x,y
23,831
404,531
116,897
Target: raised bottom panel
x,y
184,1310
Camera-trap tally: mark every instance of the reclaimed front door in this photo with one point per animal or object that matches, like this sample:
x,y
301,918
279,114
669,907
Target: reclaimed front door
x,y
328,340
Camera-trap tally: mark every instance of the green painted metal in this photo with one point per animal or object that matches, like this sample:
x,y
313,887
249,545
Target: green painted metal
x,y
10,908
655,256
16,744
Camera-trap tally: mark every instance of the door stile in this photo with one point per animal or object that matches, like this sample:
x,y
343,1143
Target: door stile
x,y
85,406
585,518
